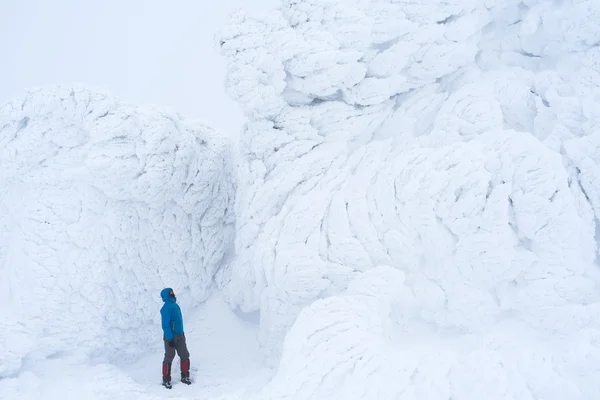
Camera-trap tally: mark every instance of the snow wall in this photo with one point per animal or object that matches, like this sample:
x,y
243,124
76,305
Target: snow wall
x,y
102,205
421,197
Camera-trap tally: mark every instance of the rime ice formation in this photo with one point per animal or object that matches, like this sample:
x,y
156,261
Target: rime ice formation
x,y
456,142
102,205
312,367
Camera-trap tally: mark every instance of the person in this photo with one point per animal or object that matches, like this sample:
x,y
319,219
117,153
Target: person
x,y
174,338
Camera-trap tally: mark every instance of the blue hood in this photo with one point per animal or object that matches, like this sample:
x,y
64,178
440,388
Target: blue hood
x,y
164,294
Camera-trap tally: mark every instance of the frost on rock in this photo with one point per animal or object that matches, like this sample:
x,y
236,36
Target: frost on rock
x,y
102,205
453,141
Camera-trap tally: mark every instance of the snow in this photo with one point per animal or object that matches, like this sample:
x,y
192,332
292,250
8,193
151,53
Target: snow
x,y
104,204
452,141
359,321
411,212
215,337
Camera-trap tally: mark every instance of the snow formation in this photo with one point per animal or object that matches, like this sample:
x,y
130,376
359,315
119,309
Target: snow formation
x,y
416,206
102,205
456,142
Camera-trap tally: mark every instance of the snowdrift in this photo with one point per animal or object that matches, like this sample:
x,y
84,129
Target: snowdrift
x,y
102,205
455,142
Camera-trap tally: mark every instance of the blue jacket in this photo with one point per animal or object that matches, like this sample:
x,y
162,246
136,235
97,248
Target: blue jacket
x,y
170,313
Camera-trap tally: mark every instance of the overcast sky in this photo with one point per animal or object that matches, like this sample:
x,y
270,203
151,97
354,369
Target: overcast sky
x,y
143,51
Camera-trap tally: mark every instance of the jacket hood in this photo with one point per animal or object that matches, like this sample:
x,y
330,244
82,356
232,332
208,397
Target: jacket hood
x,y
164,294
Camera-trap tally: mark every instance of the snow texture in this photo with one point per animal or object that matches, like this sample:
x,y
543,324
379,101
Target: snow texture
x,y
456,142
359,320
223,350
416,210
102,205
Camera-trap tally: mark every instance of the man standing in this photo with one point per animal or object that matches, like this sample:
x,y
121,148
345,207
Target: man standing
x,y
174,338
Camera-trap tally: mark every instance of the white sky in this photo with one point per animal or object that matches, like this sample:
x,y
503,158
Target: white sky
x,y
143,51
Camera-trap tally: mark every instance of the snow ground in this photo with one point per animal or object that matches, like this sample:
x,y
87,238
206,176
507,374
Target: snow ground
x,y
223,352
416,212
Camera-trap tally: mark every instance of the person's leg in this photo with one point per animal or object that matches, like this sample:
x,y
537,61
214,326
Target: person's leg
x,y
184,355
167,361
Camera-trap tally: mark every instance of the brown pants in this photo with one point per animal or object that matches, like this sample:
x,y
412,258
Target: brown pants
x,y
180,347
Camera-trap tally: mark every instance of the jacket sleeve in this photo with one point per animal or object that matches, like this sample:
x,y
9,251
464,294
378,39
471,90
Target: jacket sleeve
x,y
165,315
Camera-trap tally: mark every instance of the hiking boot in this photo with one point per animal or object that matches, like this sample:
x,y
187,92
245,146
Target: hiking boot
x,y
186,380
185,372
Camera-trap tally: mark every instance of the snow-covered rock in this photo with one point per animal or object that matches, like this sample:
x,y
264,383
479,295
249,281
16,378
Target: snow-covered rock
x,y
453,141
102,205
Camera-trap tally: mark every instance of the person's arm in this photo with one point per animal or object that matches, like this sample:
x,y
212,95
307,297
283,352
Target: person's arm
x,y
165,314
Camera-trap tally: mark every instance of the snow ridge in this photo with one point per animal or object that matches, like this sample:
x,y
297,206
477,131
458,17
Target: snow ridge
x,y
103,204
453,141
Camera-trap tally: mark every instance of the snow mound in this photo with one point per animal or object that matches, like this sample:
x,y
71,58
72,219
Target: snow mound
x,y
102,205
456,142
352,365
